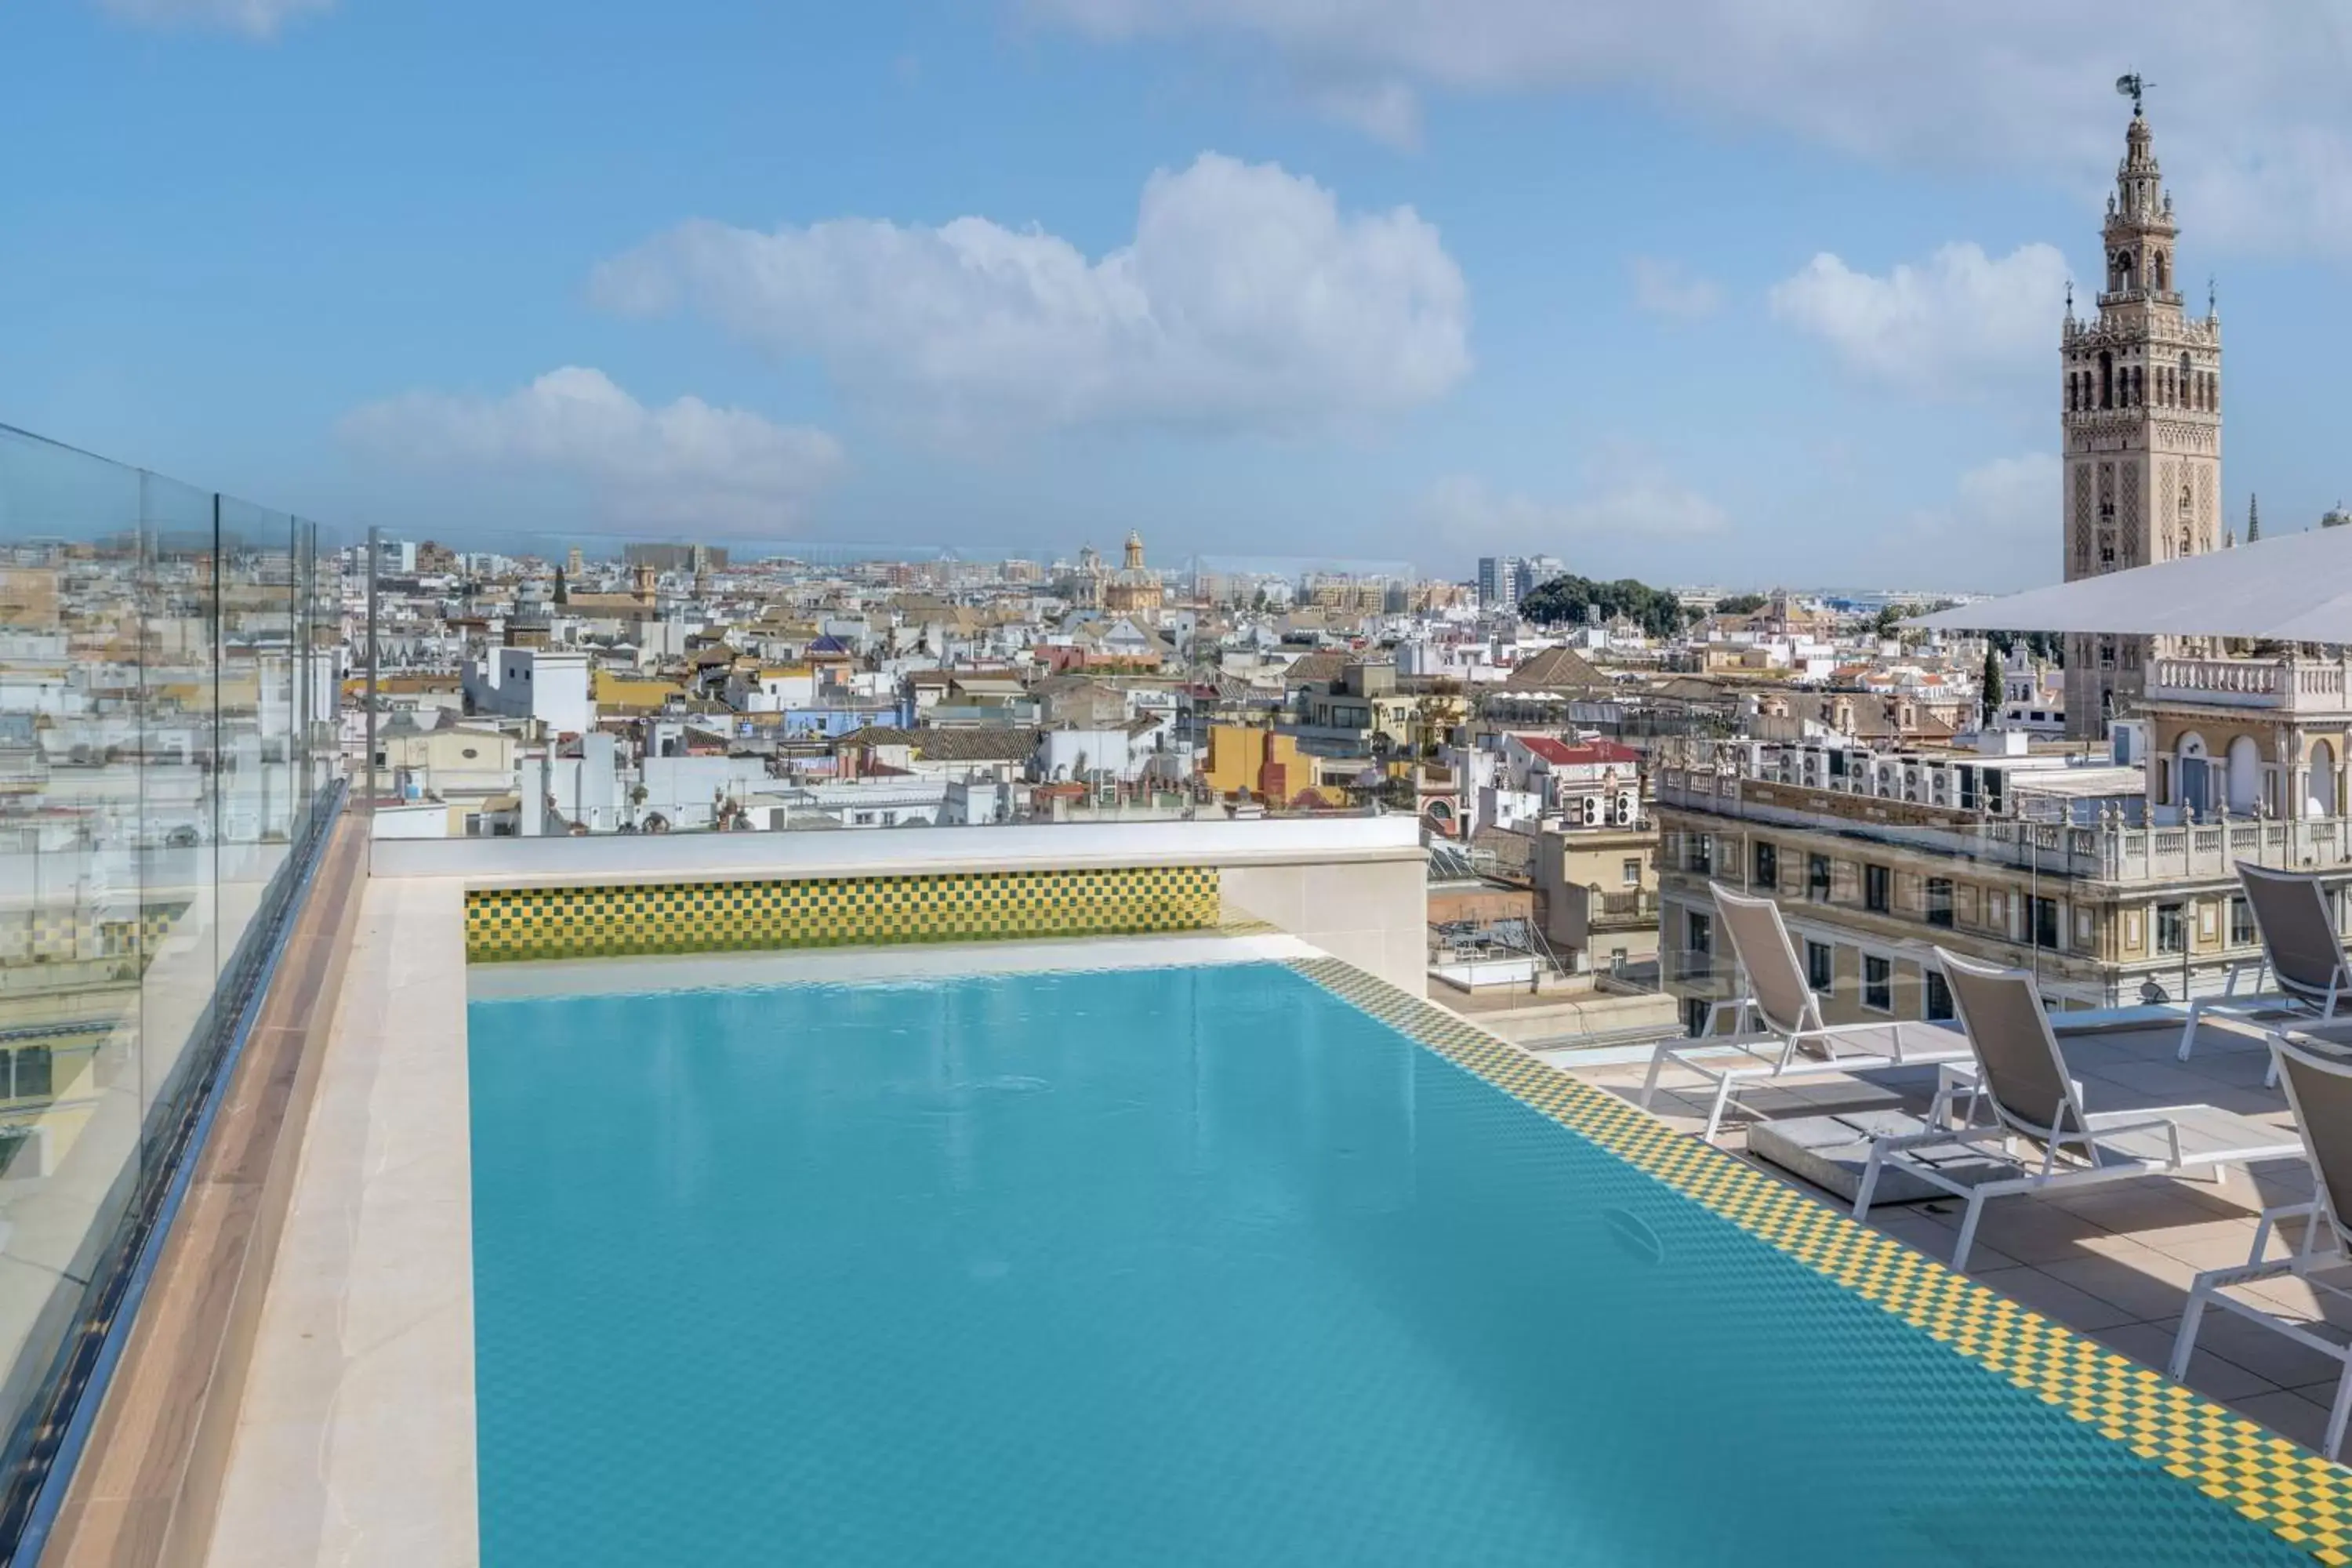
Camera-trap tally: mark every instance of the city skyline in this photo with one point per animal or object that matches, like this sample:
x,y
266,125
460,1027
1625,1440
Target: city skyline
x,y
1773,345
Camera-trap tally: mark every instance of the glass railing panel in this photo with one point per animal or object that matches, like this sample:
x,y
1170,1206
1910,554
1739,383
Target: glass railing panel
x,y
180,927
73,658
259,749
161,753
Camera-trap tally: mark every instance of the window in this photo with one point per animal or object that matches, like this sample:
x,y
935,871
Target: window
x,y
1874,883
1634,872
2045,922
1699,854
1817,878
1939,901
30,1070
1819,973
2171,931
1702,932
1616,961
1768,865
1878,985
1938,1003
2242,922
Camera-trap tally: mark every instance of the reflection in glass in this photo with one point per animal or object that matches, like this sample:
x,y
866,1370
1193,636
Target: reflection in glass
x,y
161,756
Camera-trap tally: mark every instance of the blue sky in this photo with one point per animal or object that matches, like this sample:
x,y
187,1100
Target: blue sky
x,y
1694,290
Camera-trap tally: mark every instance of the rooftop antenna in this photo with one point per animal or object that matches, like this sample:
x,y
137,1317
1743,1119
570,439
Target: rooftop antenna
x,y
2133,88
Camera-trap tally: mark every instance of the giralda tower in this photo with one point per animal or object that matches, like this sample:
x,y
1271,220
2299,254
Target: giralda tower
x,y
2142,421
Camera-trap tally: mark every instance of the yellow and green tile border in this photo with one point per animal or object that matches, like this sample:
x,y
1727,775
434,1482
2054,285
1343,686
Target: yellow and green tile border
x,y
2262,1476
510,923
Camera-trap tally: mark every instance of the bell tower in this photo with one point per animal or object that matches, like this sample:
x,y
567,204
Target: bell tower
x,y
2140,397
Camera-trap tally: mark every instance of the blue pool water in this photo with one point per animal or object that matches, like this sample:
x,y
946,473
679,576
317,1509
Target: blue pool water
x,y
1182,1267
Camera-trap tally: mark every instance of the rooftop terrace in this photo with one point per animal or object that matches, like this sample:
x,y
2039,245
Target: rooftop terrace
x,y
2115,1262
239,1224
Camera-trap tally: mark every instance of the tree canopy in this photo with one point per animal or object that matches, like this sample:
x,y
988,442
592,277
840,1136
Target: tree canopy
x,y
1572,600
2049,646
1741,605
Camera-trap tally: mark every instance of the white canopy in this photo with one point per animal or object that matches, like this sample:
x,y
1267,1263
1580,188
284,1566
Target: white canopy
x,y
2294,588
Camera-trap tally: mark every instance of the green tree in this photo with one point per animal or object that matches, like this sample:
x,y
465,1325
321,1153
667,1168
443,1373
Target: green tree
x,y
1572,601
1990,699
1741,605
2050,648
1888,618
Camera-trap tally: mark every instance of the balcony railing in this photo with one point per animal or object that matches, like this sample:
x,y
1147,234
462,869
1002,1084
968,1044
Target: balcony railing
x,y
170,716
1630,907
2108,853
2292,684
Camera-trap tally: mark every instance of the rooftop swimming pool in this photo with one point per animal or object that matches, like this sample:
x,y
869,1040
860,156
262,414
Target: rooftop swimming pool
x,y
1191,1265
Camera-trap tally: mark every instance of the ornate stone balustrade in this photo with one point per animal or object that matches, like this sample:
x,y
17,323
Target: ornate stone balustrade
x,y
2292,684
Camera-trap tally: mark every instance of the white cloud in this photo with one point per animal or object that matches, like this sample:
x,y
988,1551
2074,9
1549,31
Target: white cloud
x,y
1247,299
687,462
1666,287
1999,529
2250,116
1631,500
1386,112
255,18
1936,327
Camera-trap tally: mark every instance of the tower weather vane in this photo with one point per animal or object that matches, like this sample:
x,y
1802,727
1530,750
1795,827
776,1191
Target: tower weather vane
x,y
2132,87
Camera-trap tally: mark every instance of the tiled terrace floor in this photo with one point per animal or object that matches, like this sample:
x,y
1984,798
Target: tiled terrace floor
x,y
2113,1261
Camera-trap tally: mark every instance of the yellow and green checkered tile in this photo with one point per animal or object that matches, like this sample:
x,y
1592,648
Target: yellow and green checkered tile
x,y
2302,1497
712,917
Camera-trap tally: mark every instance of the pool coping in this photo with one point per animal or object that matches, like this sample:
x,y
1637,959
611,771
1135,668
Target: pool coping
x,y
2270,1481
515,982
354,1440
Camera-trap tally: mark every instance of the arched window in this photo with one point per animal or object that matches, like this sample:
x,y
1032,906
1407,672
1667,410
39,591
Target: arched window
x,y
2319,794
2139,385
2074,392
2106,379
2157,268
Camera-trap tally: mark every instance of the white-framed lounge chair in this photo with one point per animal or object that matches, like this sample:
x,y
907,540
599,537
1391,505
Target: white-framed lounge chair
x,y
2319,1091
2039,1128
1794,1040
2300,948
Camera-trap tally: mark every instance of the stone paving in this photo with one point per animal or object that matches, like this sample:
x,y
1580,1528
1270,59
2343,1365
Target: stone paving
x,y
2113,1261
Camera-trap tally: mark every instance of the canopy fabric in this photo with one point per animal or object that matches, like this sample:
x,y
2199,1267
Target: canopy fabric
x,y
2296,588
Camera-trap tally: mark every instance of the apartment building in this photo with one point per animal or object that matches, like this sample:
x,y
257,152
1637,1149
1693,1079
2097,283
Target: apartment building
x,y
1598,889
2035,861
